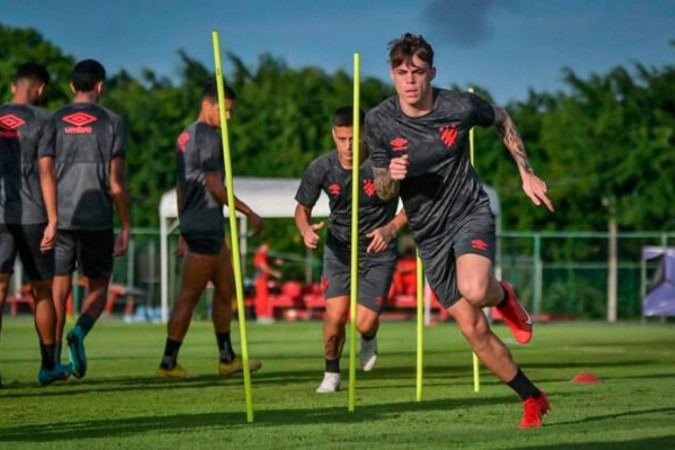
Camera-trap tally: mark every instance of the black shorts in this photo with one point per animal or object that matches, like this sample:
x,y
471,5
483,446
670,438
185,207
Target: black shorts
x,y
90,250
204,244
475,234
25,239
375,274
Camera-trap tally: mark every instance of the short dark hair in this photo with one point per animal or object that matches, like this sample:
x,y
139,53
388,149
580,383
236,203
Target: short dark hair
x,y
87,74
32,71
403,49
210,92
344,116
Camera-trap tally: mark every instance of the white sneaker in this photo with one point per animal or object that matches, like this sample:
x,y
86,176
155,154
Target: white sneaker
x,y
330,383
368,354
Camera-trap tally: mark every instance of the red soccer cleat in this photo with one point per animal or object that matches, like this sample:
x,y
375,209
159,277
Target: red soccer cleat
x,y
534,410
515,316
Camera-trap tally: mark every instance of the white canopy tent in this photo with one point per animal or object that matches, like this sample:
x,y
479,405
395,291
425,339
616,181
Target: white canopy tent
x,y
269,197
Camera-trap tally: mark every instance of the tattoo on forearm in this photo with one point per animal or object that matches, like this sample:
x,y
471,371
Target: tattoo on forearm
x,y
507,129
385,187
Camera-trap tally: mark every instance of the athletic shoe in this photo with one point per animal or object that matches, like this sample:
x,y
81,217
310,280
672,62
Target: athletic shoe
x,y
515,316
76,352
176,372
59,373
330,383
237,365
368,354
534,409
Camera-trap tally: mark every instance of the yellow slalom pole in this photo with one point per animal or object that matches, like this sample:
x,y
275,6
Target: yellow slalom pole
x,y
354,287
476,362
234,230
420,328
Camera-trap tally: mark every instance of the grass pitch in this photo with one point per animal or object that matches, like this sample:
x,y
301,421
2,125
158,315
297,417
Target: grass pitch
x,y
121,405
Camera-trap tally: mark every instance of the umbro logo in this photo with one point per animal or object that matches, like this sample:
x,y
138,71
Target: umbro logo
x,y
399,144
79,119
334,189
8,126
10,121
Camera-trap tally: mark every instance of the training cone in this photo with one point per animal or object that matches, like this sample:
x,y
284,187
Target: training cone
x,y
585,378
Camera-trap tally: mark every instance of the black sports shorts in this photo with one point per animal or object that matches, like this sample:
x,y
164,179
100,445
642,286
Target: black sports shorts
x,y
90,250
25,239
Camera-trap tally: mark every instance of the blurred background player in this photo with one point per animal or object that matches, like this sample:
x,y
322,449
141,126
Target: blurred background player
x,y
419,141
89,146
201,196
263,272
378,227
28,207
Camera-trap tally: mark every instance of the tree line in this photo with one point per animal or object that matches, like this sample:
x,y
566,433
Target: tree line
x,y
605,144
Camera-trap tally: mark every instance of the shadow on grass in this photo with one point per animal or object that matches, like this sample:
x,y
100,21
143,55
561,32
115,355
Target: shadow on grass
x,y
178,423
663,442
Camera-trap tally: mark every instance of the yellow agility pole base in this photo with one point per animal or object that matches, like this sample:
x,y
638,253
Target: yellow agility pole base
x,y
420,328
476,362
234,230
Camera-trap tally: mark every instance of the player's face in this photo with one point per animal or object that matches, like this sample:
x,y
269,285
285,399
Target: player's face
x,y
344,143
214,112
413,81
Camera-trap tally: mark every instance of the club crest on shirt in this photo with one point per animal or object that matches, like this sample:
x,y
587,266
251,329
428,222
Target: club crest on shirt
x,y
399,145
9,124
448,135
334,189
182,141
369,187
79,120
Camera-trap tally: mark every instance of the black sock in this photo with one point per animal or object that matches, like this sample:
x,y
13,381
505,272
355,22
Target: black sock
x,y
86,323
523,386
57,352
225,347
506,297
170,354
47,351
368,338
333,365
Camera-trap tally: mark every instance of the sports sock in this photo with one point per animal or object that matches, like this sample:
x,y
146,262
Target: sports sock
x,y
523,386
368,338
47,352
225,347
86,323
57,352
170,354
333,365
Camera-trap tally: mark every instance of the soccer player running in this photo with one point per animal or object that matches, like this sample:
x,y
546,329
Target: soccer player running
x,y
201,195
419,141
88,143
378,227
28,207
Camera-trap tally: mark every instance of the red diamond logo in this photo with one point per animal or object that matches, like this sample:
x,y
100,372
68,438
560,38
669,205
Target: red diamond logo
x,y
399,144
10,121
80,119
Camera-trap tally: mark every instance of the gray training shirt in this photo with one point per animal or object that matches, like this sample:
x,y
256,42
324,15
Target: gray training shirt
x,y
198,150
84,138
441,187
327,174
21,129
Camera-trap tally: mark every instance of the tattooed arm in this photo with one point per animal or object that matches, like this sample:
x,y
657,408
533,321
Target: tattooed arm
x,y
385,186
534,187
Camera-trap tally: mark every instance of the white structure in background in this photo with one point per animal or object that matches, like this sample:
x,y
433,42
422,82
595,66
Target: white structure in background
x,y
270,198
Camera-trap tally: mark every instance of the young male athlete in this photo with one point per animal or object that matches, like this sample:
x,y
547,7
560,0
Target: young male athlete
x,y
201,196
88,143
419,141
378,227
28,207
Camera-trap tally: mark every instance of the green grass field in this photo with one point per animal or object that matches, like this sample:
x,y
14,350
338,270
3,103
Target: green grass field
x,y
121,405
